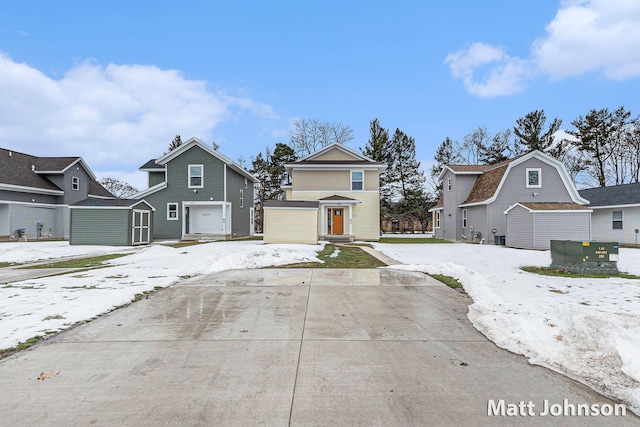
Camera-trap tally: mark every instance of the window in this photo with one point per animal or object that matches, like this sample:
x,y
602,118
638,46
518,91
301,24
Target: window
x,y
449,184
195,176
436,221
616,216
534,178
357,180
172,211
241,198
75,183
464,218
246,184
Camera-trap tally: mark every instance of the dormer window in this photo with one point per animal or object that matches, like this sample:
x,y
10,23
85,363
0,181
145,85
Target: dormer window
x,y
75,183
357,180
534,178
196,176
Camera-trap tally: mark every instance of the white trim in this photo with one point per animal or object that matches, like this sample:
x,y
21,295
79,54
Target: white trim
x,y
526,178
339,202
79,159
634,205
189,176
141,227
252,221
241,202
447,168
36,204
114,207
434,209
224,183
177,210
437,219
94,196
352,180
464,218
196,142
341,166
337,191
24,189
340,147
562,171
150,190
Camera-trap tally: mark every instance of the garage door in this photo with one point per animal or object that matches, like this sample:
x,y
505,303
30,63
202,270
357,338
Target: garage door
x,y
206,220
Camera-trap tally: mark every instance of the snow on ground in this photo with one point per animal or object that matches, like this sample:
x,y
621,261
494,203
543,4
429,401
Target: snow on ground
x,y
35,307
24,252
587,329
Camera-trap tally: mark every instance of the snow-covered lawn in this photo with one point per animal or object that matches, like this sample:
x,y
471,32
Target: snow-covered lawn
x,y
588,329
35,307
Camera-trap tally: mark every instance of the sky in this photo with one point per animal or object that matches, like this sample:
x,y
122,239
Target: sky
x,y
115,81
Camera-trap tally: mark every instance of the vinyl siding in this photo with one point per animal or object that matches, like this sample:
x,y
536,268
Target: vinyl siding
x,y
372,180
477,221
366,215
315,180
27,217
560,226
239,216
334,154
177,190
101,227
291,226
155,178
602,226
519,228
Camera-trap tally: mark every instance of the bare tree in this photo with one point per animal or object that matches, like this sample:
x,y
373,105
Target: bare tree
x,y
309,135
118,188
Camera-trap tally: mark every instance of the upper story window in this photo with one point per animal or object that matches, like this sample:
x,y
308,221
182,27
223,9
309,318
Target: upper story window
x,y
75,183
241,198
172,211
449,184
357,180
616,217
534,178
464,218
196,173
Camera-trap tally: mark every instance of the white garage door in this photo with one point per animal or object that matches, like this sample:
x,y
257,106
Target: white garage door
x,y
205,220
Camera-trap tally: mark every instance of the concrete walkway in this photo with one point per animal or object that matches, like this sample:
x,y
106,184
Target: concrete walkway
x,y
282,347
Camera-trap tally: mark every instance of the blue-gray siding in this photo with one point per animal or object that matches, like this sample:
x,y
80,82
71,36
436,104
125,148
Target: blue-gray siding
x,y
100,227
535,230
519,228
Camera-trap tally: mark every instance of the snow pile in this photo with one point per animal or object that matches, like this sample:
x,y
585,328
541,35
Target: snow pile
x,y
26,252
588,329
40,306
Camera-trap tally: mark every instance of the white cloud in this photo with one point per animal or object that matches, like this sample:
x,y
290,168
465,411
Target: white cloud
x,y
595,35
584,36
118,116
505,75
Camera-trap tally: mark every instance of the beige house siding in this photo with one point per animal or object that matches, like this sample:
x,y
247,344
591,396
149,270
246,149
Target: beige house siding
x,y
372,180
280,222
333,154
315,180
366,215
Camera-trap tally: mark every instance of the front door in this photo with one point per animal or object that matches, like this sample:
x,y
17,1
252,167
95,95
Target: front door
x,y
337,221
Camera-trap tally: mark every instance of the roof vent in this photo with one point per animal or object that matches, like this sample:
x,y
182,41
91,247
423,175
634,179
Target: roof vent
x,y
33,168
10,154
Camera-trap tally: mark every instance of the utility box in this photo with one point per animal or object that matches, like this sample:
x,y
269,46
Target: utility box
x,y
585,257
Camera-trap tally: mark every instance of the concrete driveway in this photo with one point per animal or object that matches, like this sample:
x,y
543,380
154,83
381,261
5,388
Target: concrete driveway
x,y
280,347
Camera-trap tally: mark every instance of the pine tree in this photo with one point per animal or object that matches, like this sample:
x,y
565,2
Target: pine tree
x,y
529,131
498,150
260,169
406,170
177,141
282,155
378,148
445,155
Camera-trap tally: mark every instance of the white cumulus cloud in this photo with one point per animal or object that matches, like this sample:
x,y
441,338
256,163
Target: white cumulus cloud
x,y
118,115
504,75
584,36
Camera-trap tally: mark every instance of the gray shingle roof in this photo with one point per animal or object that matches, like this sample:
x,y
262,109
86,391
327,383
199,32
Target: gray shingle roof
x,y
151,164
291,204
625,194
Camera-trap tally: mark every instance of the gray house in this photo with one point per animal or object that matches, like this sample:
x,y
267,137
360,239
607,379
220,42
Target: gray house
x,y
35,193
523,202
616,213
198,193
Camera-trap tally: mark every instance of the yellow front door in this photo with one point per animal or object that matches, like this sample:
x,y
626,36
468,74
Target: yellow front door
x,y
337,220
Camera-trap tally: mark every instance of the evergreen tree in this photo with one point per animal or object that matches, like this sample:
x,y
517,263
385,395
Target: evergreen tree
x,y
378,148
499,150
282,155
530,133
177,141
594,132
446,154
260,169
406,170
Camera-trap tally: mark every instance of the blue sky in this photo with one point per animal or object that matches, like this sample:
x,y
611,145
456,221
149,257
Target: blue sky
x,y
114,81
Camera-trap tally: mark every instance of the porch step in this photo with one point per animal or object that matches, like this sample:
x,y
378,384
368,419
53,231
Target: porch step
x,y
206,236
338,238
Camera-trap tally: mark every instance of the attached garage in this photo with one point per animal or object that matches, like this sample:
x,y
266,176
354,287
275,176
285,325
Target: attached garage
x,y
291,221
534,225
112,222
